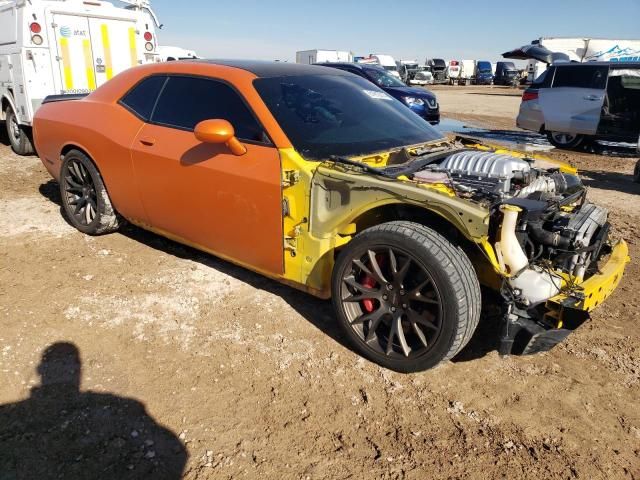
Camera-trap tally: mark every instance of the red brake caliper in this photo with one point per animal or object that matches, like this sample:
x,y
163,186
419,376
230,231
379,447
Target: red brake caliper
x,y
370,282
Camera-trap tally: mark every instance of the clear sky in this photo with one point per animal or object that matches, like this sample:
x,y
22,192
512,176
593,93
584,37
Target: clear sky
x,y
406,29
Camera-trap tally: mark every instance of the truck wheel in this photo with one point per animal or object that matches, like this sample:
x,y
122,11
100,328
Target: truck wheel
x,y
636,172
18,135
85,199
405,296
565,140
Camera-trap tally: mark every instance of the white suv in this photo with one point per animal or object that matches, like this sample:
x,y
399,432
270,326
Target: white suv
x,y
576,102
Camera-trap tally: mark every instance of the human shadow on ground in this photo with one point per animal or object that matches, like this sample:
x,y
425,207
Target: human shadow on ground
x,y
61,431
316,311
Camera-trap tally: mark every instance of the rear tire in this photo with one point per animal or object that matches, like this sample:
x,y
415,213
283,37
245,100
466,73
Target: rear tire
x,y
18,134
406,297
567,141
85,200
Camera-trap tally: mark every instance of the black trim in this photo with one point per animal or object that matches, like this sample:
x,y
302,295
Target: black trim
x,y
184,129
63,98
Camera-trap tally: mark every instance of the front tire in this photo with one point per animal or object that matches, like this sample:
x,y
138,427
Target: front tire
x,y
567,141
85,200
18,134
405,296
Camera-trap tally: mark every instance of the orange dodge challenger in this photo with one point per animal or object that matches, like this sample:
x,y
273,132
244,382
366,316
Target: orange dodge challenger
x,y
317,178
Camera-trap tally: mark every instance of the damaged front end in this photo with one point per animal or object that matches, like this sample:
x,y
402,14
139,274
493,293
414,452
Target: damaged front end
x,y
552,247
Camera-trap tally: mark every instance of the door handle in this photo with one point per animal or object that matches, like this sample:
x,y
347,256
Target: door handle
x,y
592,98
149,142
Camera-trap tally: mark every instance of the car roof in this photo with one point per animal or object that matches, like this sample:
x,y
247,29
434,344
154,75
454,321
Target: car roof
x,y
266,69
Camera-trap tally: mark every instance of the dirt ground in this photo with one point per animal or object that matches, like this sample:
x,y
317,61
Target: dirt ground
x,y
237,376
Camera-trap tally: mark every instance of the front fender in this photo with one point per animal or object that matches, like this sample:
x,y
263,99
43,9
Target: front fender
x,y
338,196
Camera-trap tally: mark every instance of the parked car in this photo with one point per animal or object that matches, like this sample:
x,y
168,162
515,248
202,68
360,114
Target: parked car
x,y
574,103
506,74
408,70
483,74
421,101
319,179
438,68
423,76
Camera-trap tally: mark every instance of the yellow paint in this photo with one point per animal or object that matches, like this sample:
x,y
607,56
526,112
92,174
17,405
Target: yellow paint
x,y
88,64
490,254
106,45
132,46
66,63
598,287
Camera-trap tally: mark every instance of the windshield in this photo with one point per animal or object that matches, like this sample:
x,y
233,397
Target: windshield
x,y
382,78
392,68
484,67
326,115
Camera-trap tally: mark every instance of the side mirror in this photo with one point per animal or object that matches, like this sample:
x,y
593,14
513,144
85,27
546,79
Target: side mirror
x,y
219,131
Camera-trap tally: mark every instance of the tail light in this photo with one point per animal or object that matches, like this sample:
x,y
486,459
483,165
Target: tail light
x,y
35,27
529,95
148,36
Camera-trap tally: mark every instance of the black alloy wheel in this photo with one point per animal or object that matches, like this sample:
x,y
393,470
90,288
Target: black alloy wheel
x,y
405,296
391,302
85,199
80,193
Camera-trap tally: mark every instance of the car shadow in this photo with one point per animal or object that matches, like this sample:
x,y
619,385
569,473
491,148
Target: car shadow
x,y
4,138
316,311
615,181
61,431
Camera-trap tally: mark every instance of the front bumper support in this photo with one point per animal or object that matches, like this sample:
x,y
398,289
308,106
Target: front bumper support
x,y
528,331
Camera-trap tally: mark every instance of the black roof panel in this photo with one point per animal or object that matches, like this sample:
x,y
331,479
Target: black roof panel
x,y
263,69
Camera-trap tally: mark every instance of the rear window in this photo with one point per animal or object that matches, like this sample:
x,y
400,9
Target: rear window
x,y
141,98
581,76
544,79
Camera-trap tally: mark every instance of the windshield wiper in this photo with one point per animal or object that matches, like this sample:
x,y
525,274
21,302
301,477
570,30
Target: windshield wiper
x,y
367,168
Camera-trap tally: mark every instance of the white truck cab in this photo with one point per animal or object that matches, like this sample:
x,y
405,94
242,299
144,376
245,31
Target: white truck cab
x,y
50,47
385,61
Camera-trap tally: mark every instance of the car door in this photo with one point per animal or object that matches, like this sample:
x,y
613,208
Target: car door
x,y
574,102
202,193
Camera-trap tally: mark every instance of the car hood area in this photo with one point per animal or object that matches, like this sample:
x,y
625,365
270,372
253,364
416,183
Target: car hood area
x,y
410,91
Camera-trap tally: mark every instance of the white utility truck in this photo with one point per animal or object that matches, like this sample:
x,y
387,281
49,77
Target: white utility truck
x,y
170,54
585,50
61,47
309,57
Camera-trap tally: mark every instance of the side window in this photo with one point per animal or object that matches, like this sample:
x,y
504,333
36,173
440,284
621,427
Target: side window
x,y
544,79
186,101
143,96
581,77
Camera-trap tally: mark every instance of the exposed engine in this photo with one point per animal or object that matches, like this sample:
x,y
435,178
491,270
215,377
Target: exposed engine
x,y
541,223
